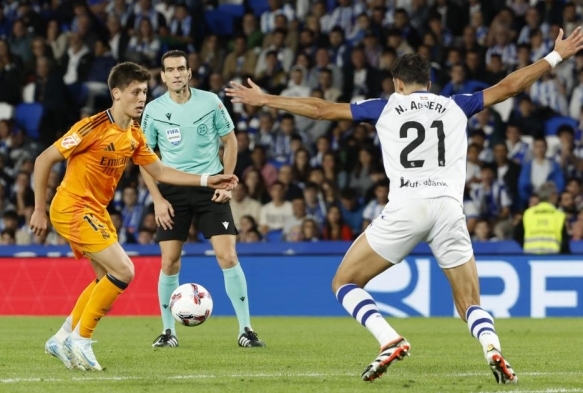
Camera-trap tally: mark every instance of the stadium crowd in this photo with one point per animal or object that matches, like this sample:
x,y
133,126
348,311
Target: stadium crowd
x,y
301,180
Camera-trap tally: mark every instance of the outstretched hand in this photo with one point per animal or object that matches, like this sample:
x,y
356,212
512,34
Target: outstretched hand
x,y
246,95
571,45
223,182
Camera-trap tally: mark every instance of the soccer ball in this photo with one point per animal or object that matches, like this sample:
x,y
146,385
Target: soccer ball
x,y
191,304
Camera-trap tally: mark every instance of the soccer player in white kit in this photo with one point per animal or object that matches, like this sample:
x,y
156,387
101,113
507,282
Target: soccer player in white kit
x,y
424,143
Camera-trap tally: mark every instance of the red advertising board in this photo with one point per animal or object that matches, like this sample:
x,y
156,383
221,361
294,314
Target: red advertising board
x,y
50,286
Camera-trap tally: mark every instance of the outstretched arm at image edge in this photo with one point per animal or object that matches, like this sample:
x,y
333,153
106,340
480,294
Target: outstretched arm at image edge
x,y
518,81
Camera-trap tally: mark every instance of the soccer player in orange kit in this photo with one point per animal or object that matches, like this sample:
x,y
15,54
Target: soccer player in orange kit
x,y
97,149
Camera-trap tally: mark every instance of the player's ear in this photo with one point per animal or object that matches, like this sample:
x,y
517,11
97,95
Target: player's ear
x,y
116,93
429,86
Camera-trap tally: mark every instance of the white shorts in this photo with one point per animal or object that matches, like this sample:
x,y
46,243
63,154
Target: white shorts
x,y
438,221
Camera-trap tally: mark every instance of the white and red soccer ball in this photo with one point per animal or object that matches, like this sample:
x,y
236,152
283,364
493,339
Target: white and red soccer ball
x,y
191,304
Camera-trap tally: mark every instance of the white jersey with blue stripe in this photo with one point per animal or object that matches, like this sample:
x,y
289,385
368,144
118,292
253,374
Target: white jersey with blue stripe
x,y
423,141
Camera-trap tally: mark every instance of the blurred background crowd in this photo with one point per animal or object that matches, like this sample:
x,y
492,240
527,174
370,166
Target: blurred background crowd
x,y
301,180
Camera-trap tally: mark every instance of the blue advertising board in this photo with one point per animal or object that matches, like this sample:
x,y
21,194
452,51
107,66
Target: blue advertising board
x,y
512,286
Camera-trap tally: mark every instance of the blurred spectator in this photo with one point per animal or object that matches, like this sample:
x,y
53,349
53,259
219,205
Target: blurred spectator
x,y
299,213
274,214
7,237
252,31
494,70
291,189
10,76
260,164
532,18
131,213
96,83
182,28
118,37
483,231
549,92
359,179
315,206
144,47
57,39
344,15
374,208
507,172
51,92
20,41
473,164
538,171
568,155
361,80
239,62
491,200
76,62
275,8
459,84
243,153
334,226
272,76
351,209
145,236
243,205
257,189
22,195
294,234
117,220
301,166
527,118
248,231
310,230
120,10
144,11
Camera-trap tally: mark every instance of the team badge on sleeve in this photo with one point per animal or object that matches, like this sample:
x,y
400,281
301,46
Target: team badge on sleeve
x,y
174,136
70,141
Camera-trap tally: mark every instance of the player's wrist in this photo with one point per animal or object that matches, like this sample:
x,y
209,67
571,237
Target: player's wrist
x,y
204,178
554,58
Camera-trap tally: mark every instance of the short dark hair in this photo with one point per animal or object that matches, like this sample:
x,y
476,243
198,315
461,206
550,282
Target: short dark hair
x,y
288,116
126,73
412,69
173,53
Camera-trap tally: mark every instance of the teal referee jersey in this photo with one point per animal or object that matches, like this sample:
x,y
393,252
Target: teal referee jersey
x,y
187,135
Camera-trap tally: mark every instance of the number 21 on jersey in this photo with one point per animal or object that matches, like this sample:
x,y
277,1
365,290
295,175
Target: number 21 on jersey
x,y
415,143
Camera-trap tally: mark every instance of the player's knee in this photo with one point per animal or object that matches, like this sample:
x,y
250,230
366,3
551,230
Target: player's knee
x,y
227,258
340,280
171,261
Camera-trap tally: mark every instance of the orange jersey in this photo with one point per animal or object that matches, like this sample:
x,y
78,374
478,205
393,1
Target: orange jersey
x,y
98,151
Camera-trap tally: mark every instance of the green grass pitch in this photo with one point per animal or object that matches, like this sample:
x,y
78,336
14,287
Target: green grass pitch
x,y
303,355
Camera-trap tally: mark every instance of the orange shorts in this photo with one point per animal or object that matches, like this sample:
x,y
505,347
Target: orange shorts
x,y
85,228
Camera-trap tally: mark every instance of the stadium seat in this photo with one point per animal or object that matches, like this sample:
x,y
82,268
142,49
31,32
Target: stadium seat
x,y
6,111
553,124
259,6
219,22
274,236
235,10
28,116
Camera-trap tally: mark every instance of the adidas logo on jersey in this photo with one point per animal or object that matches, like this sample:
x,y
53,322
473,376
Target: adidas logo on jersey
x,y
110,147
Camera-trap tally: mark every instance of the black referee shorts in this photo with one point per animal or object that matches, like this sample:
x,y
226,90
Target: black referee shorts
x,y
190,202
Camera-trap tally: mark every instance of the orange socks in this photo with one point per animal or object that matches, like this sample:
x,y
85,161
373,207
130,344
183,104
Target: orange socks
x,y
101,299
81,303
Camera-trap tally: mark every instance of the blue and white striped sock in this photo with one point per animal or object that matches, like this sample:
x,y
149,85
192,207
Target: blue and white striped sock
x,y
481,325
363,308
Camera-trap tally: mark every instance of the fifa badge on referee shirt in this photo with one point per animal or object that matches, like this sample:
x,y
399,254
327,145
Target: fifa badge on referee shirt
x,y
174,136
